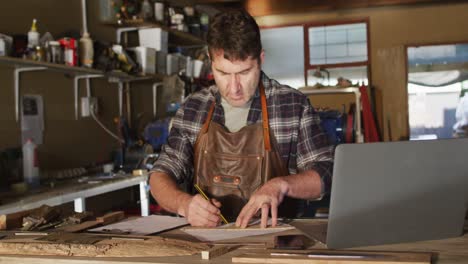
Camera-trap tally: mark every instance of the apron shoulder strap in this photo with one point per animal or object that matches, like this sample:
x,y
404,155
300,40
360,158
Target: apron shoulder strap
x,y
266,126
206,125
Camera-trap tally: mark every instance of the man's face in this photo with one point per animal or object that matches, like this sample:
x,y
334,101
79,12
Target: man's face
x,y
237,80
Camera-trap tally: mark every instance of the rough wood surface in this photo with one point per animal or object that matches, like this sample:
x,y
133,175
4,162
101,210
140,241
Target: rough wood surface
x,y
154,247
445,251
216,251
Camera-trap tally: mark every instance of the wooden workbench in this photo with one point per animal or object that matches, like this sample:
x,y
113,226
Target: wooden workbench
x,y
75,190
452,250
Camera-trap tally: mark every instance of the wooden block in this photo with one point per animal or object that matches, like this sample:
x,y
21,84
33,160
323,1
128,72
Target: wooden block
x,y
13,220
102,220
80,227
336,257
78,218
216,251
111,217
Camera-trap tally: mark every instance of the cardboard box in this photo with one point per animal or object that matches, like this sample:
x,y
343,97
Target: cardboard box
x,y
172,64
155,38
146,57
161,61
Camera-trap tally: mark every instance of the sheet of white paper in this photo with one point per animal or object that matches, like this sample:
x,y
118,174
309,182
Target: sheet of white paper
x,y
143,225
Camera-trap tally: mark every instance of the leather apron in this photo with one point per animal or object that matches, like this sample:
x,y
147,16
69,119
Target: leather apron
x,y
230,166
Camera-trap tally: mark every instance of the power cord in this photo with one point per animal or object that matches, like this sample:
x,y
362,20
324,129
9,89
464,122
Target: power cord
x,y
92,110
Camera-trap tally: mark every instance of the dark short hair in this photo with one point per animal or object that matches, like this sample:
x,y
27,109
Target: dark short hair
x,y
236,33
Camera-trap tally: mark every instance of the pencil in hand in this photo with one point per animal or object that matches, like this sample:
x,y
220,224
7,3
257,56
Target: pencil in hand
x,y
202,193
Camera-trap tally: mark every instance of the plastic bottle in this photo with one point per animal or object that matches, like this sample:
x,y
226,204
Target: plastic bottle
x,y
33,35
30,163
86,51
146,10
2,47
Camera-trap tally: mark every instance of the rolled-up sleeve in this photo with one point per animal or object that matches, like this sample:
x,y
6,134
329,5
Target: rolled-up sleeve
x,y
176,157
314,152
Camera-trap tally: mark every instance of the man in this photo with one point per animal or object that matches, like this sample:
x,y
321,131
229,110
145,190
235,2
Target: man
x,y
461,115
233,138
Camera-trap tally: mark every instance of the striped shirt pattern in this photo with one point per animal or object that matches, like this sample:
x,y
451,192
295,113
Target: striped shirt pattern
x,y
293,122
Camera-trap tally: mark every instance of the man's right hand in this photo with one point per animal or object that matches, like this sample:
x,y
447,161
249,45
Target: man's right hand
x,y
197,210
200,212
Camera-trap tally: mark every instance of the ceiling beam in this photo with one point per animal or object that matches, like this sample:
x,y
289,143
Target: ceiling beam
x,y
206,2
271,7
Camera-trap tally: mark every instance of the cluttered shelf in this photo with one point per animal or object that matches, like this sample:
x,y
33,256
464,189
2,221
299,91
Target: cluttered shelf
x,y
22,65
76,71
177,37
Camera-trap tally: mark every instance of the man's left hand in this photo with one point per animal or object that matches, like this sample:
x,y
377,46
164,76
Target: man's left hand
x,y
267,198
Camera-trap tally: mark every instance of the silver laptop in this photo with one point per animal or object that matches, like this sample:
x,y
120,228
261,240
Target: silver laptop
x,y
398,192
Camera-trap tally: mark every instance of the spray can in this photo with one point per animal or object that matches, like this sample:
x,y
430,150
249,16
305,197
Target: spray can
x,y
70,55
86,51
30,164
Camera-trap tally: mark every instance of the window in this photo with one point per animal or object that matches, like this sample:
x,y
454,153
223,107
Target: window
x,y
285,67
305,55
437,84
336,50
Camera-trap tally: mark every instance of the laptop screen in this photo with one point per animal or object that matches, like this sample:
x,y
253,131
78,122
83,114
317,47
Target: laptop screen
x,y
395,192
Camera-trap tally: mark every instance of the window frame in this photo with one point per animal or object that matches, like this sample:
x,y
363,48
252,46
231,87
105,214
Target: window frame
x,y
308,66
407,129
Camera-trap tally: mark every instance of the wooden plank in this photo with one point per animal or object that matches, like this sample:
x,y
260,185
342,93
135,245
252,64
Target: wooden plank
x,y
111,218
80,227
102,220
336,257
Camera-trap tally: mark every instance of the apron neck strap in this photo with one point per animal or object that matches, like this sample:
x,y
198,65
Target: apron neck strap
x,y
265,124
206,125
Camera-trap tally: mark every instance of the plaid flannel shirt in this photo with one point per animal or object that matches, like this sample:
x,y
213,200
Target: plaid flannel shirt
x,y
294,123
